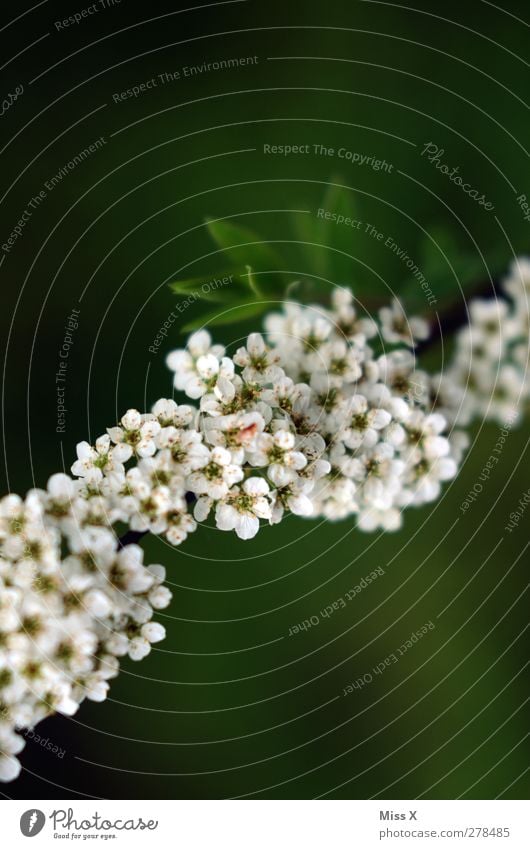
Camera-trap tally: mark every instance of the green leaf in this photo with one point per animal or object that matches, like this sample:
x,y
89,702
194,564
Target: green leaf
x,y
331,243
209,287
243,246
341,202
230,315
433,246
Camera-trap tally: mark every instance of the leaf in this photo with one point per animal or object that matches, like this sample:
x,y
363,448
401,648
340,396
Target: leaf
x,y
243,246
211,287
329,230
230,315
340,205
307,228
437,249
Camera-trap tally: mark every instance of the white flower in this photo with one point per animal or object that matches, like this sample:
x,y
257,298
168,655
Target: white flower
x,y
425,479
424,436
179,525
338,360
259,363
396,326
365,423
93,462
490,330
242,508
216,476
293,497
95,689
285,393
186,449
238,432
168,412
10,745
277,453
335,498
380,473
197,368
153,632
345,318
136,434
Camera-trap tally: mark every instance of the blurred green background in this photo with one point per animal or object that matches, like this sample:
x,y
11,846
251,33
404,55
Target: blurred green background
x,y
230,705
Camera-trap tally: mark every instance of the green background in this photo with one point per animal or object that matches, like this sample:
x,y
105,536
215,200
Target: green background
x,y
229,704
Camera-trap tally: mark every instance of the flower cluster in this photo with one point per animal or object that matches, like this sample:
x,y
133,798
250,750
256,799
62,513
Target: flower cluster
x,y
326,414
310,420
66,620
489,376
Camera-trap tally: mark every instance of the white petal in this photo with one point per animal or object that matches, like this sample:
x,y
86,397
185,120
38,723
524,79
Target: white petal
x,y
61,486
194,387
207,366
262,508
255,345
139,648
280,475
301,505
226,517
153,632
199,342
247,527
256,486
84,450
9,768
132,420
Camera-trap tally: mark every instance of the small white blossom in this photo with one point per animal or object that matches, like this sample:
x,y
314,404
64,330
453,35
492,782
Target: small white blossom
x,y
242,508
396,326
135,434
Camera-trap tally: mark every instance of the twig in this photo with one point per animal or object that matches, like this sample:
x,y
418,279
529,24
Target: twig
x,y
457,316
130,538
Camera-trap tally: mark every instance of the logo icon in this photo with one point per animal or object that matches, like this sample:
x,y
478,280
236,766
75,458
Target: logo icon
x,y
32,822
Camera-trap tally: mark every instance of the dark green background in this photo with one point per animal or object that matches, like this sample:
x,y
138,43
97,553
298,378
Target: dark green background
x,y
229,704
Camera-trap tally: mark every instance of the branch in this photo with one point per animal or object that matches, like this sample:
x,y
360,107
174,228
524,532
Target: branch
x,y
457,316
130,538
